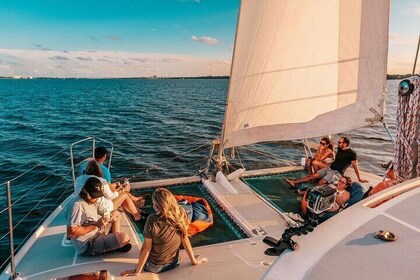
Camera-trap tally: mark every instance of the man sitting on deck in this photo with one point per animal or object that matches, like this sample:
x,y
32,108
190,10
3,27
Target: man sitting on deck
x,y
88,231
100,156
344,157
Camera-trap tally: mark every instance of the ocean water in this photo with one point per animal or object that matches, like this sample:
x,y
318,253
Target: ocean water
x,y
161,129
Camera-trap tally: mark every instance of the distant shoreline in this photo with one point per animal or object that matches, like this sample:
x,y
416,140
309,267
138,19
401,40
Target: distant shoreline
x,y
116,78
388,77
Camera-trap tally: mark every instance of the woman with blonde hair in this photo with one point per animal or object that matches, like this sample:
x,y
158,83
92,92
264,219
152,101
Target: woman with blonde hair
x,y
163,234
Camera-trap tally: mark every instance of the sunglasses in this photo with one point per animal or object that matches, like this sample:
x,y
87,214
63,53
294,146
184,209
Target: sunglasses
x,y
340,142
343,182
323,143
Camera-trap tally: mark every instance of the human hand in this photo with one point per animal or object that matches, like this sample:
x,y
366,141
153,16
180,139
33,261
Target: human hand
x,y
127,187
102,222
199,260
131,272
363,181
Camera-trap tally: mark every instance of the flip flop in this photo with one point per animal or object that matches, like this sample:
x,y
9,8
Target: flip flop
x,y
385,235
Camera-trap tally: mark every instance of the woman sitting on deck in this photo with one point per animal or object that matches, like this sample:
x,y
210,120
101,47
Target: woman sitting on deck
x,y
115,195
163,234
342,194
323,157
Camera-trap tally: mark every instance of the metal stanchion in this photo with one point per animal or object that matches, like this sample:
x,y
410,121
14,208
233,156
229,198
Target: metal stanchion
x,y
13,274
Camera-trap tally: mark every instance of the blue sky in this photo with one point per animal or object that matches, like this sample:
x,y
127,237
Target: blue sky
x,y
92,38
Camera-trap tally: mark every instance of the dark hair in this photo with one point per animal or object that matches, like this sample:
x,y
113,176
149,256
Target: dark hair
x,y
348,179
346,140
92,187
100,152
328,141
93,168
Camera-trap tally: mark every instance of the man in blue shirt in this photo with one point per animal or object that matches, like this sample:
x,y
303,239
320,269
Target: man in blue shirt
x,y
100,156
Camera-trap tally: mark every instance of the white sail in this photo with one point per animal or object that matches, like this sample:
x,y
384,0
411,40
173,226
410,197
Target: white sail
x,y
306,68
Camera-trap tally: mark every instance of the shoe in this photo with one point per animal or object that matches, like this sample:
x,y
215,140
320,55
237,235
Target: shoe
x,y
124,249
386,165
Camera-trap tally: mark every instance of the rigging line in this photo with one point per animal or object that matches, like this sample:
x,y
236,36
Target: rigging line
x,y
141,145
43,180
4,235
84,151
33,208
199,160
389,133
43,218
36,166
4,210
190,151
8,258
239,157
268,155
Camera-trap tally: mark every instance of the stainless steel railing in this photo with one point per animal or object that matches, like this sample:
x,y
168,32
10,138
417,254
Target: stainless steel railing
x,y
42,194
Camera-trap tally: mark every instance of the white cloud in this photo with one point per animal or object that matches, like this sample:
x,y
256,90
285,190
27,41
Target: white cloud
x,y
107,64
205,40
401,53
413,8
397,38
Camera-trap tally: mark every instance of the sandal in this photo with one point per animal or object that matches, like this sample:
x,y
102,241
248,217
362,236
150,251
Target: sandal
x,y
385,235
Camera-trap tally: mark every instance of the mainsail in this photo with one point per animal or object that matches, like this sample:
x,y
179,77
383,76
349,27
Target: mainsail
x,y
303,69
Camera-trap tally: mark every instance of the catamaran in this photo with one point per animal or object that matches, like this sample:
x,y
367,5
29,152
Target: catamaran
x,y
300,69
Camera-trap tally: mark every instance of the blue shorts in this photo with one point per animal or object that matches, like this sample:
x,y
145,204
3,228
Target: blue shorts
x,y
157,268
102,243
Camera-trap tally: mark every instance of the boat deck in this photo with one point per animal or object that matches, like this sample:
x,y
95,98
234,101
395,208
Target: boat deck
x,y
344,247
52,256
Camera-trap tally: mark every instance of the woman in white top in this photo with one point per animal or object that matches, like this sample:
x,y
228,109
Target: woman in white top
x,y
115,194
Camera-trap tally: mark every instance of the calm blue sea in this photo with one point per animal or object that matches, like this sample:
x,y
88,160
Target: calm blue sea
x,y
162,129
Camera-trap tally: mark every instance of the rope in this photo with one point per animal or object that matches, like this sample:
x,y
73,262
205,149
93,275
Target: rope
x,y
408,115
17,177
269,155
49,175
43,218
43,198
190,151
239,157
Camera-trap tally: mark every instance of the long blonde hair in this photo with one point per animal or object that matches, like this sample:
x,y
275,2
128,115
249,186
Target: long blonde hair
x,y
166,205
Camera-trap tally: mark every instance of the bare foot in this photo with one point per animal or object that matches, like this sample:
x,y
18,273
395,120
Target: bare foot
x,y
137,216
291,183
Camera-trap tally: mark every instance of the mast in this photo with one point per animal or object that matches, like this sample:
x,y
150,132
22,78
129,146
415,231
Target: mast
x,y
417,54
222,137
